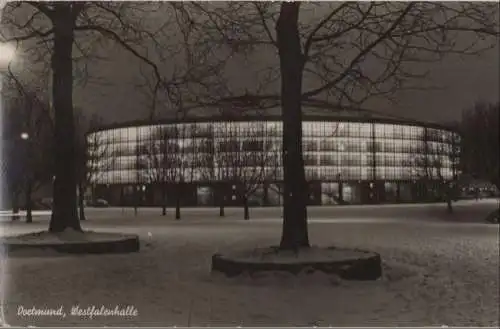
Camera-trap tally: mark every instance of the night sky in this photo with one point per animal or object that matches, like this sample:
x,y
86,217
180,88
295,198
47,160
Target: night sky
x,y
463,81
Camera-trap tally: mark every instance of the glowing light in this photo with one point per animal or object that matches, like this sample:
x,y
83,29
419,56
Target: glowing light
x,y
7,54
25,136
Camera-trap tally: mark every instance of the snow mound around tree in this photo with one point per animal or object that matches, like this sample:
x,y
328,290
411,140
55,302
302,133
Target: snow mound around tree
x,y
69,235
307,277
313,254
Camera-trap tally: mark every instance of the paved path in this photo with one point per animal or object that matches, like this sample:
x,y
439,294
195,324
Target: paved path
x,y
470,211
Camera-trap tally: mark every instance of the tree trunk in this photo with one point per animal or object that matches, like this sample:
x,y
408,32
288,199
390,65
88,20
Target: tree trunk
x,y
341,192
29,205
81,199
294,233
164,202
266,194
94,197
136,200
246,214
178,203
449,206
222,200
64,212
15,206
178,208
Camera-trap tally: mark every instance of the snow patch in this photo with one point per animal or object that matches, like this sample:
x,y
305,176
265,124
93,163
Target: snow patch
x,y
393,271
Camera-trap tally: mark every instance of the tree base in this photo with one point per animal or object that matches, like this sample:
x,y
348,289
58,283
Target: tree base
x,y
348,264
71,241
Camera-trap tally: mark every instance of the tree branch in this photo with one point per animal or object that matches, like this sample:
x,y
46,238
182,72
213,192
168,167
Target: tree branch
x,y
115,37
361,54
33,34
320,25
264,24
43,8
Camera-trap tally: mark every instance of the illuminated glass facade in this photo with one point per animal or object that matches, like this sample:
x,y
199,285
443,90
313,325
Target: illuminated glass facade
x,y
346,161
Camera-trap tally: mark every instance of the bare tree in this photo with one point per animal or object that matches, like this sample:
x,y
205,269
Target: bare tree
x,y
158,161
480,150
139,165
67,32
182,170
348,53
141,169
450,152
31,129
205,147
434,165
93,157
479,154
229,143
165,160
213,160
247,160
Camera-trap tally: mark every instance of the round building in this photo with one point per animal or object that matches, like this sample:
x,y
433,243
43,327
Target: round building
x,y
206,162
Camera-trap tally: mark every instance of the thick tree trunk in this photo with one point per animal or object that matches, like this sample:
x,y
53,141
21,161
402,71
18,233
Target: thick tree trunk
x,y
295,233
29,204
81,201
246,214
64,211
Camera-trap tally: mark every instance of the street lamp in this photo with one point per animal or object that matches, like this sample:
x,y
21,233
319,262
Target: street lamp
x,y
7,54
25,136
7,57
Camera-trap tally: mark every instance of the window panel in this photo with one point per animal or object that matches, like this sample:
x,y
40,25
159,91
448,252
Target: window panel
x,y
380,172
366,173
364,130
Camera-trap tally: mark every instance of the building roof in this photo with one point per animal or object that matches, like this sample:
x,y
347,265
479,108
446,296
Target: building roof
x,y
309,114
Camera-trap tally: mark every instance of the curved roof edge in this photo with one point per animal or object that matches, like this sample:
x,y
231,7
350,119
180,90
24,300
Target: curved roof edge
x,y
305,118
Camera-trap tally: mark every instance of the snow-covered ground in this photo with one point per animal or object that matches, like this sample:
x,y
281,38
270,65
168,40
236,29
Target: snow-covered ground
x,y
436,271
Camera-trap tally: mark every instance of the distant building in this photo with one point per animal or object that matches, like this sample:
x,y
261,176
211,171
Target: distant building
x,y
348,160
